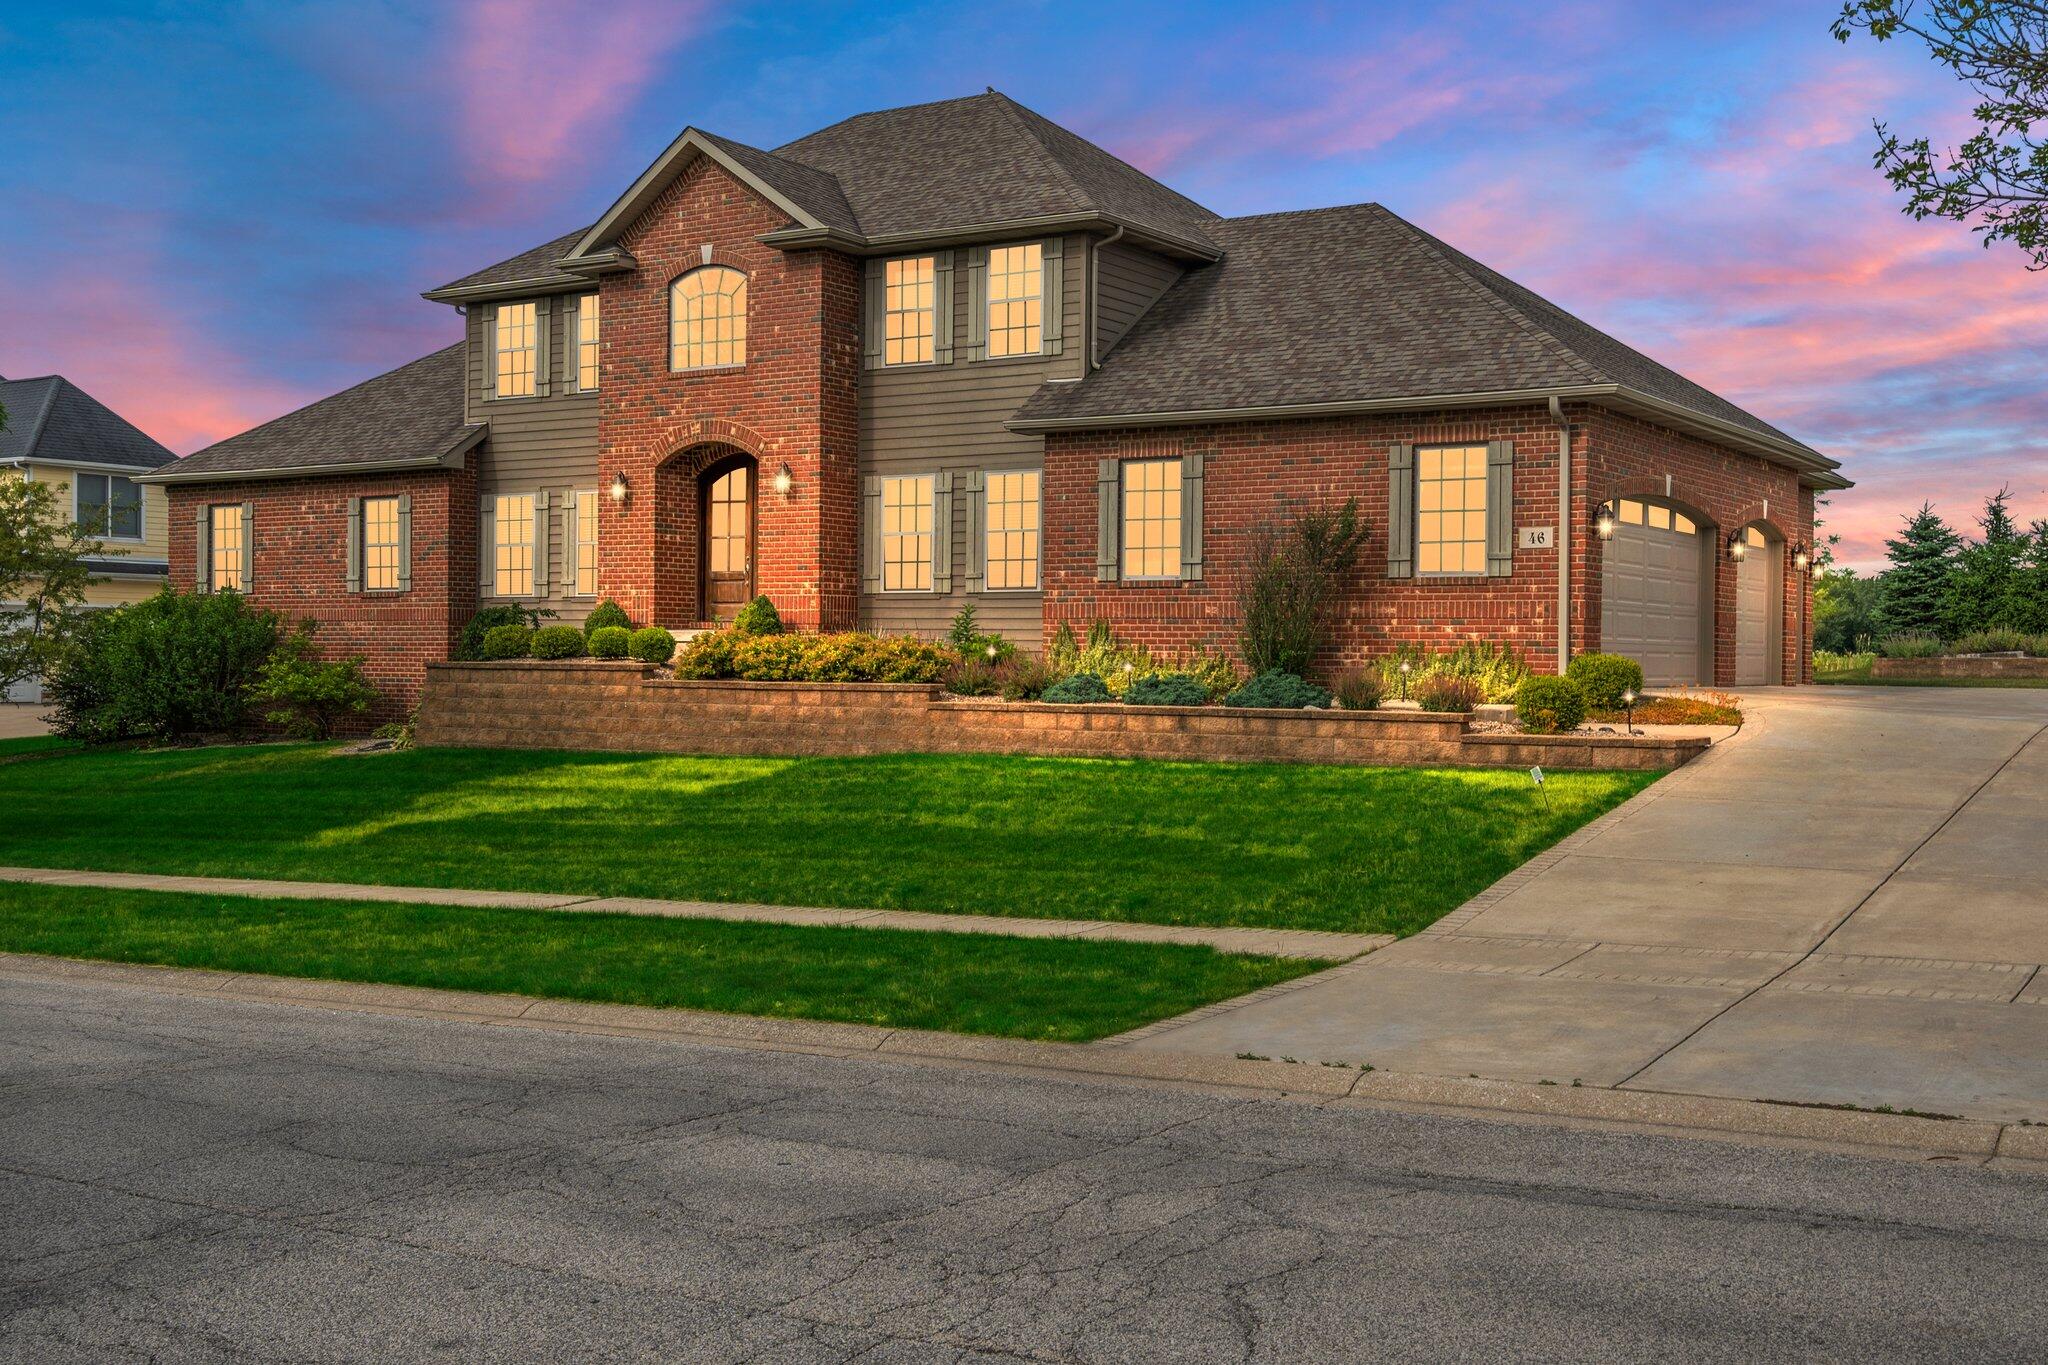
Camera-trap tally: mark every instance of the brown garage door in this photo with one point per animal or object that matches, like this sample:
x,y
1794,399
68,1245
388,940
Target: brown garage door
x,y
1650,591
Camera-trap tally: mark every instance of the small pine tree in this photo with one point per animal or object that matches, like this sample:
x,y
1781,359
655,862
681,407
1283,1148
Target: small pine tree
x,y
1923,557
1980,591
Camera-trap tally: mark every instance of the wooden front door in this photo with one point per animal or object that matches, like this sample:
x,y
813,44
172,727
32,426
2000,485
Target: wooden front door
x,y
728,550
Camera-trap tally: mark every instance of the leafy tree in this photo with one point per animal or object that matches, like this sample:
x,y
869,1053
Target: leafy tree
x,y
1997,178
42,569
168,667
1983,590
1845,610
1915,592
308,696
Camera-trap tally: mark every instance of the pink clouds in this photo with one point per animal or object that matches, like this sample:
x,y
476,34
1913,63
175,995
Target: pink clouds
x,y
535,80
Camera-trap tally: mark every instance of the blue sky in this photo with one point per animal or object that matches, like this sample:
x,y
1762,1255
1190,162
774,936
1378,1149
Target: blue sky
x,y
212,213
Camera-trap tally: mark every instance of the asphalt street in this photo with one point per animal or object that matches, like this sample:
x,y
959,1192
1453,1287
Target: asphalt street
x,y
193,1180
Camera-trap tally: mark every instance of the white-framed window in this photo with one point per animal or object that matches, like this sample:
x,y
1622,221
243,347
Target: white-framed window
x,y
1010,532
1450,509
583,508
1151,519
228,546
910,310
907,534
512,545
380,545
1016,296
516,350
589,321
108,505
708,319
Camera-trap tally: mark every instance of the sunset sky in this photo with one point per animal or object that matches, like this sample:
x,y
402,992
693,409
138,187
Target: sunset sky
x,y
210,214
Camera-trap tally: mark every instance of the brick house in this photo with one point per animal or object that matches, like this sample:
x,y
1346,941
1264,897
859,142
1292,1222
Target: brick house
x,y
954,353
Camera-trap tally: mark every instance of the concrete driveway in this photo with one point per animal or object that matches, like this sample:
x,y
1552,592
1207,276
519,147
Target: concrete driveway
x,y
1847,904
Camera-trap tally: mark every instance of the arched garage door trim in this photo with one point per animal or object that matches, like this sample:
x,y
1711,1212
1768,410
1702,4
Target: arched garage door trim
x,y
1657,588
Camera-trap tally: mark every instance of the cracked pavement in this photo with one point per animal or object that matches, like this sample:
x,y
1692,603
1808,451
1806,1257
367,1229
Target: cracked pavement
x,y
192,1179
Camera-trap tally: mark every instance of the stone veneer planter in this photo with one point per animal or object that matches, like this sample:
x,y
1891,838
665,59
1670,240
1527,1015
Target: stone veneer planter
x,y
627,707
1965,666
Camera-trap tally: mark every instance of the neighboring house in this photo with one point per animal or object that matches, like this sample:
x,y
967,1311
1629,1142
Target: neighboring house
x,y
58,434
954,353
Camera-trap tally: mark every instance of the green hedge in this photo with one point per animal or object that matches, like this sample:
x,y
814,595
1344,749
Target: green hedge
x,y
1602,678
507,642
1550,705
606,615
557,642
609,642
758,617
850,657
651,645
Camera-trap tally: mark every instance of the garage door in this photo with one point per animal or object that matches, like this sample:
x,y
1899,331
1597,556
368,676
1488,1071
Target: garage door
x,y
1753,612
1650,592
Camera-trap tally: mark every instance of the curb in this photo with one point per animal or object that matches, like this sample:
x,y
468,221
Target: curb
x,y
1676,1115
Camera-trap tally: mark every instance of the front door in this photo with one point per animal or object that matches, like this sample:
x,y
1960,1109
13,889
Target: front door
x,y
728,552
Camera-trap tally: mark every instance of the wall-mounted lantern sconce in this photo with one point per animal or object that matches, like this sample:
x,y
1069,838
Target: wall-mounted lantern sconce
x,y
784,481
1738,547
1802,559
620,489
1603,521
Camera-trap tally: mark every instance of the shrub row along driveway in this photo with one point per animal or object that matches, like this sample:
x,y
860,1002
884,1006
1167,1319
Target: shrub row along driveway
x,y
1843,906
1352,849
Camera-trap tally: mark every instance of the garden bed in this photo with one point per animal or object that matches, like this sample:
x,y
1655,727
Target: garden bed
x,y
633,708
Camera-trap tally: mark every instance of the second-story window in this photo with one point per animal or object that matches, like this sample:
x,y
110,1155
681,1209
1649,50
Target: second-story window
x,y
1016,292
909,311
516,350
110,505
588,321
708,319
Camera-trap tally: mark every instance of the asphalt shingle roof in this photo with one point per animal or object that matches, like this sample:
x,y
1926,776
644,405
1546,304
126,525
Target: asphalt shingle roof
x,y
1353,304
412,412
536,264
53,419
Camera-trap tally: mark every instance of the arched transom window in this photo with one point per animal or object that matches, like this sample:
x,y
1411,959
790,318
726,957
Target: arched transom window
x,y
708,319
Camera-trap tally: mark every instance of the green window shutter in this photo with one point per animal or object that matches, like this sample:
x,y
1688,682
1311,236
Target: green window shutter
x,y
942,531
873,312
487,546
1191,518
871,535
571,532
1500,508
202,552
355,544
942,305
1107,510
974,346
977,530
541,520
489,331
1401,511
572,315
1052,305
404,542
248,546
543,349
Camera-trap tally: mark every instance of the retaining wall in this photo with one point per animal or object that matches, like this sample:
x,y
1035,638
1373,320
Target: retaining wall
x,y
1978,667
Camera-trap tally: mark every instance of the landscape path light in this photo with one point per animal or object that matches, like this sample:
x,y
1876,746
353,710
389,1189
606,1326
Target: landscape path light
x,y
1405,666
1628,709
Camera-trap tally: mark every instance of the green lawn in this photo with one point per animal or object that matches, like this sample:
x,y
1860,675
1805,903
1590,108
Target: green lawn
x,y
1362,849
1061,990
35,744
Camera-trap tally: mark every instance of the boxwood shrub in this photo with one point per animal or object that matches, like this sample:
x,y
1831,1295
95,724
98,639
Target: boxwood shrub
x,y
1550,705
1602,678
1081,687
1166,689
507,642
758,617
606,615
1279,690
651,645
471,645
609,642
557,642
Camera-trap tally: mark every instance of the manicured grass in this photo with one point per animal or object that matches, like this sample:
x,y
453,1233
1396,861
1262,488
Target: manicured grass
x,y
35,744
1062,990
1362,849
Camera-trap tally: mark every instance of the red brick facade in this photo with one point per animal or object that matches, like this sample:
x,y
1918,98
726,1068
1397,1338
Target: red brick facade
x,y
794,403
299,567
1257,473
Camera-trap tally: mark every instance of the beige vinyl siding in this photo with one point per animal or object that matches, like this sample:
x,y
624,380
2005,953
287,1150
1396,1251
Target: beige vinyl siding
x,y
546,444
926,418
155,543
1130,282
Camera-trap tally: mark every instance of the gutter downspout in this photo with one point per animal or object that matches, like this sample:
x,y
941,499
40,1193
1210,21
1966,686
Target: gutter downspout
x,y
1095,291
1565,526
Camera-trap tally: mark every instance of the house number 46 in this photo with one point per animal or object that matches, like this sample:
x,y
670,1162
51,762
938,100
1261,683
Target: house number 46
x,y
1537,537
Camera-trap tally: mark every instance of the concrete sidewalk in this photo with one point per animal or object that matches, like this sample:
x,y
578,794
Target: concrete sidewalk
x,y
1845,905
1302,943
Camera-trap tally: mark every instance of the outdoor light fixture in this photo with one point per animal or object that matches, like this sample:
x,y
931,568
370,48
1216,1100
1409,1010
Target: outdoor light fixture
x,y
1801,559
992,652
1603,521
784,481
1738,548
620,488
1628,709
1405,666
